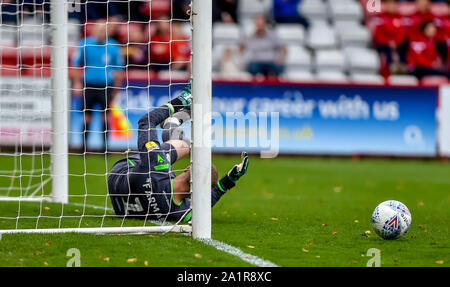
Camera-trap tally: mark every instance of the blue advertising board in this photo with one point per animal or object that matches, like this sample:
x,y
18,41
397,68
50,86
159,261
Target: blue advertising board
x,y
300,119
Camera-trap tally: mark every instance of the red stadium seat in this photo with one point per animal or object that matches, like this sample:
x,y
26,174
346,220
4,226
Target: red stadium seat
x,y
8,56
31,56
37,71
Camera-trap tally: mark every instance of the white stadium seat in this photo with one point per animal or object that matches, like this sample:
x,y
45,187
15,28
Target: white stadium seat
x,y
351,33
406,80
8,35
313,9
345,10
367,79
314,23
249,8
226,33
298,58
331,77
362,60
302,76
291,33
321,37
33,34
329,60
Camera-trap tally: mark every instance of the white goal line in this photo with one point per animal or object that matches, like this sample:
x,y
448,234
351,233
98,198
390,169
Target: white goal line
x,y
105,230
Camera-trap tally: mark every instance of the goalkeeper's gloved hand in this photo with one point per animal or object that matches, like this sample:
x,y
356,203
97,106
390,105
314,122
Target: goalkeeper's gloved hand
x,y
229,180
186,97
182,102
240,169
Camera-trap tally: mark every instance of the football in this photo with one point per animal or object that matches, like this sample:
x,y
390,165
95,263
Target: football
x,y
391,219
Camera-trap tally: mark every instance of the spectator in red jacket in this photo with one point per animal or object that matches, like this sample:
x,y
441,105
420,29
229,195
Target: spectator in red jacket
x,y
443,37
169,46
422,15
423,59
390,36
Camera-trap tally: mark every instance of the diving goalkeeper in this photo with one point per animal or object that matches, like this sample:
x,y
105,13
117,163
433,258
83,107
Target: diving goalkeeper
x,y
144,185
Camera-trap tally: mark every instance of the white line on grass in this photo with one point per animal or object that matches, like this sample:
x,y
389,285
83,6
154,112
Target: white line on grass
x,y
219,245
252,259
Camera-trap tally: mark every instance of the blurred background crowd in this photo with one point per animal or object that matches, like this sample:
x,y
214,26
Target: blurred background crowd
x,y
306,40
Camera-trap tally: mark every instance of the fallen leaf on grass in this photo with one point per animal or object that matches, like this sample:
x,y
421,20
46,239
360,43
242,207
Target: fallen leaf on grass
x,y
337,189
440,262
305,250
335,233
198,255
132,260
250,246
274,219
50,243
45,263
106,259
146,263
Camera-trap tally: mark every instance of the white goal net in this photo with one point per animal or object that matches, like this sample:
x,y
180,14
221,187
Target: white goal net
x,y
76,76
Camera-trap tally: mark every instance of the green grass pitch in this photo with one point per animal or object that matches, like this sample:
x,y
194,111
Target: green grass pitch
x,y
291,211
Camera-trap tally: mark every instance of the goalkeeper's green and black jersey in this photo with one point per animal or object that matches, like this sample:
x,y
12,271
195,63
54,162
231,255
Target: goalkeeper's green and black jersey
x,y
140,186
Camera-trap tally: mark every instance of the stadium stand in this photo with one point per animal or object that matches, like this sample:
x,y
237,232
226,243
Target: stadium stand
x,y
338,44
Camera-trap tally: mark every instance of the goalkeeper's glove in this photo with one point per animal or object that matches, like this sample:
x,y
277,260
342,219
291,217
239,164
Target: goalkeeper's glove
x,y
182,102
186,97
240,169
235,173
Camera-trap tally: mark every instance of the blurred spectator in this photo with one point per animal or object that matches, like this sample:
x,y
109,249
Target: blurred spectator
x,y
423,59
230,63
390,37
37,9
443,37
136,52
288,11
169,46
96,9
225,11
422,15
9,10
266,51
180,9
101,61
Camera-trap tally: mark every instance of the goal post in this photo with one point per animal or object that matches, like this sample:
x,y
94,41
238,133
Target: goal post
x,y
60,106
35,196
201,118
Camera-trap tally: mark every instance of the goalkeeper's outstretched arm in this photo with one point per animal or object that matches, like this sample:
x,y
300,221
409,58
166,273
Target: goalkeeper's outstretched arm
x,y
181,183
